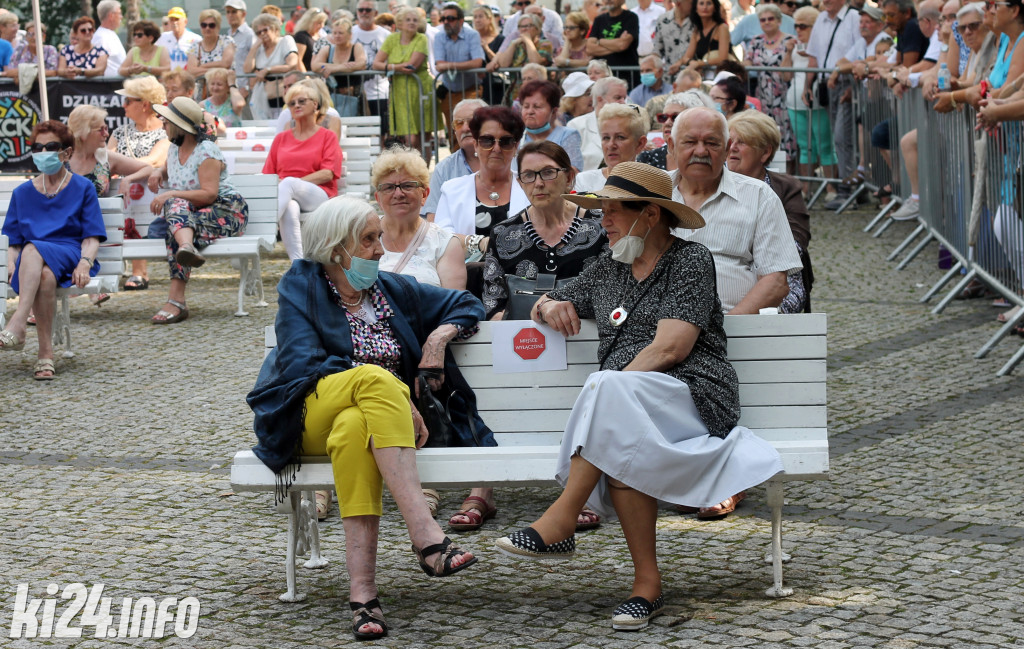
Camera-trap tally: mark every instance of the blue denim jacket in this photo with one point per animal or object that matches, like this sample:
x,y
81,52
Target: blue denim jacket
x,y
314,341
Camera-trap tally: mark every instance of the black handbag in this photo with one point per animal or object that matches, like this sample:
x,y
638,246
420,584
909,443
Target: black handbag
x,y
821,89
523,293
435,414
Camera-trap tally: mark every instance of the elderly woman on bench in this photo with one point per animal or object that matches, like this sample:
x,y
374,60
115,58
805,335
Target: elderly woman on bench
x,y
350,344
658,421
54,228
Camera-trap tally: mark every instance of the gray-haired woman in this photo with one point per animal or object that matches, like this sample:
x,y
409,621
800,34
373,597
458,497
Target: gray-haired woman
x,y
271,56
339,384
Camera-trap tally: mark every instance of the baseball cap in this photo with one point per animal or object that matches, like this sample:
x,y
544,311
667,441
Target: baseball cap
x,y
177,12
236,4
874,12
576,84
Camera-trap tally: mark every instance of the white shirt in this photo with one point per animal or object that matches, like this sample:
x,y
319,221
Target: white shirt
x,y
590,139
551,31
431,35
934,47
747,232
422,265
648,17
178,47
108,40
456,210
591,181
845,36
376,86
861,49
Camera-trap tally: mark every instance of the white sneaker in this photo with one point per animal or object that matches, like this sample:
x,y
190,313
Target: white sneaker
x,y
909,211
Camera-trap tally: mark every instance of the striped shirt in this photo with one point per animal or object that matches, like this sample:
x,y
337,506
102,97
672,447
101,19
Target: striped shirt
x,y
747,232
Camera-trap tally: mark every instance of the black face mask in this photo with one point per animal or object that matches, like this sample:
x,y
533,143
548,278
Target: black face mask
x,y
178,140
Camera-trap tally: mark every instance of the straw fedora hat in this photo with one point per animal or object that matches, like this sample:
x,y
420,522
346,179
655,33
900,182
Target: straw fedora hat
x,y
183,113
636,181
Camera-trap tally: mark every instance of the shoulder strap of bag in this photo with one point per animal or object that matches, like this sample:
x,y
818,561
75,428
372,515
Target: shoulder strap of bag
x,y
839,21
410,250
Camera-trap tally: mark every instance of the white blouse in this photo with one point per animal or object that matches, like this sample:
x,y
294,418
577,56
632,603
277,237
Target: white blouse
x,y
422,266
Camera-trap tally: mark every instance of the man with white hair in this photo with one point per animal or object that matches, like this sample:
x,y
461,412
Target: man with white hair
x,y
652,83
105,36
746,227
609,90
461,163
180,39
244,37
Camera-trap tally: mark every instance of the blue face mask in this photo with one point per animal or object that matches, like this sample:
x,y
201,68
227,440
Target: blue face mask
x,y
361,273
719,108
539,129
47,162
648,79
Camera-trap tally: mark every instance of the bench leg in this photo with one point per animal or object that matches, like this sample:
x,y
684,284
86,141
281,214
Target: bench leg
x,y
243,272
255,284
775,499
293,539
62,327
311,540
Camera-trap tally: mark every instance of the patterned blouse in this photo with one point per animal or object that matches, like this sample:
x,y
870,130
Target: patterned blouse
x,y
86,61
216,54
515,248
135,143
681,287
655,157
23,55
372,343
185,175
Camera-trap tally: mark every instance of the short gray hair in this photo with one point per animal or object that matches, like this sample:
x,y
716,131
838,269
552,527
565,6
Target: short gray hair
x,y
533,19
337,222
104,8
677,128
974,7
479,103
770,9
655,59
692,98
603,86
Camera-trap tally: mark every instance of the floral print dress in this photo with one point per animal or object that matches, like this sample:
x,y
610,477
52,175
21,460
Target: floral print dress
x,y
771,88
85,61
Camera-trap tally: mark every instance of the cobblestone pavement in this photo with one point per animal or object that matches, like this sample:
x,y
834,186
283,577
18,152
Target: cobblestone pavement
x,y
116,474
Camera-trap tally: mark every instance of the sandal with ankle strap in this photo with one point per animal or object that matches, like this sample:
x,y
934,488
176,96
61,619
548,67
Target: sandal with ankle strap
x,y
443,563
10,342
187,255
44,365
477,510
362,614
166,317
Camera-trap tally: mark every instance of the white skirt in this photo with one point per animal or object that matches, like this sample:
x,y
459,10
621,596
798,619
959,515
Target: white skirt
x,y
643,429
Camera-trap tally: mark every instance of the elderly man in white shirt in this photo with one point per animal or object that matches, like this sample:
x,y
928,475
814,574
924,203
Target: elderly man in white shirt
x,y
609,90
746,227
179,39
551,31
109,14
648,12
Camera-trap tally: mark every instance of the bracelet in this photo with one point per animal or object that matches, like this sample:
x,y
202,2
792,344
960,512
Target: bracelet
x,y
87,260
952,100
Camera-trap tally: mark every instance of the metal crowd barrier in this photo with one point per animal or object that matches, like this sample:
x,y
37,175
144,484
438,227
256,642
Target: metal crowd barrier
x,y
971,196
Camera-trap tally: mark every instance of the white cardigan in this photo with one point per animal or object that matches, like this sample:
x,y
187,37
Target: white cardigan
x,y
457,208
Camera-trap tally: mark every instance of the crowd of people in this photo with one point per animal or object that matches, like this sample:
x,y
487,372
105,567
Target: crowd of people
x,y
646,193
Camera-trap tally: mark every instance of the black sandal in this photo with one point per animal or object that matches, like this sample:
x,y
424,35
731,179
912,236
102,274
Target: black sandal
x,y
443,564
883,192
363,614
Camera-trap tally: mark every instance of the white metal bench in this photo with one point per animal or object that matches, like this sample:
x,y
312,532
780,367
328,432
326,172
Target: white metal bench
x,y
106,281
780,360
260,193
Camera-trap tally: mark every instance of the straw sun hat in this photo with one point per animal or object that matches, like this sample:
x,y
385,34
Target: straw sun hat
x,y
636,181
183,113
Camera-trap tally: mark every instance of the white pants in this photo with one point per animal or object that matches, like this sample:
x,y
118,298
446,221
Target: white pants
x,y
295,195
1010,234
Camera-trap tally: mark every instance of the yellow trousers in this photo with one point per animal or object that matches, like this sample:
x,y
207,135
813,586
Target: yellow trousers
x,y
345,412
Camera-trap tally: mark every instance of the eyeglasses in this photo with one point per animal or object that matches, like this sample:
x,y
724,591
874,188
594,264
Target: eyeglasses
x,y
130,100
666,117
568,27
547,173
49,146
992,5
208,25
85,30
298,102
802,26
963,28
766,19
791,4
261,32
449,19
365,10
406,187
137,35
459,123
506,142
525,3
230,10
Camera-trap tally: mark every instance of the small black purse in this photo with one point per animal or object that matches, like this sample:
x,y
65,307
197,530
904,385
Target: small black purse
x,y
523,293
435,414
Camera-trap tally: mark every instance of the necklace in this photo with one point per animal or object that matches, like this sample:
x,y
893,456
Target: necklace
x,y
352,304
494,195
618,315
59,185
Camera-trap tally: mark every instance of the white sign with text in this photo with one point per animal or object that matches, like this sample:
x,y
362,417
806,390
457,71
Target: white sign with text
x,y
525,346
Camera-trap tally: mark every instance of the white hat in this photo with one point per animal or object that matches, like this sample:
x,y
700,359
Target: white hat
x,y
236,4
721,76
576,84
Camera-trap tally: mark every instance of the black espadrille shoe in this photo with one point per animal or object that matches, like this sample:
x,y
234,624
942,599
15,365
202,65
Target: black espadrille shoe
x,y
635,613
527,543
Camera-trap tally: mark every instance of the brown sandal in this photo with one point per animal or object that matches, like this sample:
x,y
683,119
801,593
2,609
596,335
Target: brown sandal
x,y
727,507
443,563
595,520
477,510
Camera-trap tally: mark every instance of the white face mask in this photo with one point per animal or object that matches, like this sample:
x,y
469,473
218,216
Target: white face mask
x,y
628,248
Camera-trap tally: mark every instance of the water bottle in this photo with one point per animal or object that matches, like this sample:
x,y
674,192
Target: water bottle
x,y
943,77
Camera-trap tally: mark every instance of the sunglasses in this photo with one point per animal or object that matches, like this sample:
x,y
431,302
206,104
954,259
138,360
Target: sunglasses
x,y
131,100
49,146
208,25
365,10
992,5
801,26
138,35
521,4
666,117
85,30
261,32
506,142
449,19
297,102
963,28
791,4
766,19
